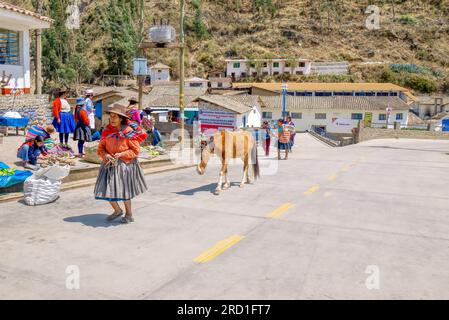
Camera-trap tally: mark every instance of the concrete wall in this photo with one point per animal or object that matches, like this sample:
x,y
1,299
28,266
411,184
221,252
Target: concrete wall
x,y
308,119
35,107
373,133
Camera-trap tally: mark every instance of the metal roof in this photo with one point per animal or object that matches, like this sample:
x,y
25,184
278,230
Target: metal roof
x,y
335,102
315,86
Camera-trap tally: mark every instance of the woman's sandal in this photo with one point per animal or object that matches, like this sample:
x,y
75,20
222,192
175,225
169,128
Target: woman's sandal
x,y
127,219
114,216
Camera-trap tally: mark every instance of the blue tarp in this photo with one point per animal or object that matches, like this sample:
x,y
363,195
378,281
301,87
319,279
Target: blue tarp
x,y
12,122
445,125
18,177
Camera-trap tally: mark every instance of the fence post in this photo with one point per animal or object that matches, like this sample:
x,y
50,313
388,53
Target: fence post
x,y
397,125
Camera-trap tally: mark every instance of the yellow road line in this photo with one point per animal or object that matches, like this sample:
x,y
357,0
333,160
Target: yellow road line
x,y
333,177
219,248
312,190
280,210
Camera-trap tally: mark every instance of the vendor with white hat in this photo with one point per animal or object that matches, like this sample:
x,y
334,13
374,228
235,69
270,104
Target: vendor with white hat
x,y
90,107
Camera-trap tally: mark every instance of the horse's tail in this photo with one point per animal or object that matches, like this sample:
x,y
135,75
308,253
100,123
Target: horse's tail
x,y
255,161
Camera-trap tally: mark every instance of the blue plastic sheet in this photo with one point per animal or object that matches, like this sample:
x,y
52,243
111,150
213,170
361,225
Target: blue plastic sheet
x,y
12,122
18,177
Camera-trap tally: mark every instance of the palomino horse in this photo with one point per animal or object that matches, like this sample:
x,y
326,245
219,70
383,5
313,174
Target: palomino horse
x,y
230,145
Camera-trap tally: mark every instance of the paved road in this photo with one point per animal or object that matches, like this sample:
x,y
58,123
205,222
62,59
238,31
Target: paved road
x,y
329,223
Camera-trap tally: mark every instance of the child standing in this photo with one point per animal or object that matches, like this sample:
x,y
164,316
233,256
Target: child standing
x,y
82,129
283,139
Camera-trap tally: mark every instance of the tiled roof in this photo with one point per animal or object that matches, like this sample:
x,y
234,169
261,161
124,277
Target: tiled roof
x,y
249,100
160,66
312,86
335,102
226,102
168,96
20,10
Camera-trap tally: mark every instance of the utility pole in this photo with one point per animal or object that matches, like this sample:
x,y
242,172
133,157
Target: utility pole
x,y
141,79
38,53
181,70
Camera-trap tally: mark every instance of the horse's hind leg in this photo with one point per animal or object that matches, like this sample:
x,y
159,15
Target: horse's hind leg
x,y
220,179
227,183
245,172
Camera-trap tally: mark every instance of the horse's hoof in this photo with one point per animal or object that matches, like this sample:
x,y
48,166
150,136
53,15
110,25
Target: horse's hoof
x,y
217,192
242,185
226,187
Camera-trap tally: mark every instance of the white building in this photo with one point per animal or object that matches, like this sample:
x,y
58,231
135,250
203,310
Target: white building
x,y
241,68
196,82
220,82
159,73
219,112
15,26
337,114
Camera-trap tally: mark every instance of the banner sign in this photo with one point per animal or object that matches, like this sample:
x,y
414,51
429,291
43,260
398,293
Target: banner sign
x,y
368,119
214,119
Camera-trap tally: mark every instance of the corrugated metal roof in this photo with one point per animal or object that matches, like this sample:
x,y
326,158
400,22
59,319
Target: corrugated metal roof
x,y
315,86
20,10
226,103
335,102
249,100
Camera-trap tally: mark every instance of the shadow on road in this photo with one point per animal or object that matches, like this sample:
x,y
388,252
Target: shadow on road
x,y
191,192
93,220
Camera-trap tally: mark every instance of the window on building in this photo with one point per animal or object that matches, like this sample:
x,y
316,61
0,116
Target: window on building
x,y
302,64
159,71
243,74
236,65
265,64
382,94
9,47
320,116
252,65
399,116
393,94
275,64
296,115
276,73
357,116
342,93
299,72
267,115
382,117
304,93
254,74
265,73
220,84
195,84
323,94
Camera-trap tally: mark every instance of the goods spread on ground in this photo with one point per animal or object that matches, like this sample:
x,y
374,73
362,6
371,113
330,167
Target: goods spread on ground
x,y
7,172
152,151
57,159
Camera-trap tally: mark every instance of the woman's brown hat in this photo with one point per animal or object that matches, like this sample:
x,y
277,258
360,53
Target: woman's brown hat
x,y
118,109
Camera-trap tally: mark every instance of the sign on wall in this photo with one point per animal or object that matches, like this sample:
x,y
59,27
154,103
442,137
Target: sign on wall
x,y
341,122
215,119
368,119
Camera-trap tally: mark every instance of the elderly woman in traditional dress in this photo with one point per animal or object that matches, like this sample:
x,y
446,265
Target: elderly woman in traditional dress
x,y
121,177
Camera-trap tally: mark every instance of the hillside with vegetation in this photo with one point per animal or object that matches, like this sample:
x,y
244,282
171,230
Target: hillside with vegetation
x,y
411,48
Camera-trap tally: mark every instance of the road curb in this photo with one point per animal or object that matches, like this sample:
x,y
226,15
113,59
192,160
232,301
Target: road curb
x,y
90,182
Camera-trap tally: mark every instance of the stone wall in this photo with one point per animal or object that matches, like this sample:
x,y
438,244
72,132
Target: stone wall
x,y
375,133
35,107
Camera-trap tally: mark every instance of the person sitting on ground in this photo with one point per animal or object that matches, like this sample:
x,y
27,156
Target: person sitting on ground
x,y
38,130
30,151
